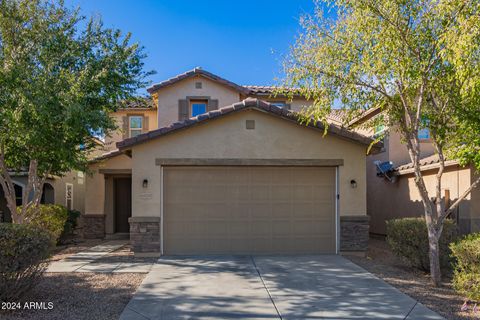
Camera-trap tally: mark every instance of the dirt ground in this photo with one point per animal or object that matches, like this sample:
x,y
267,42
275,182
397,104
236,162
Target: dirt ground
x,y
78,296
381,262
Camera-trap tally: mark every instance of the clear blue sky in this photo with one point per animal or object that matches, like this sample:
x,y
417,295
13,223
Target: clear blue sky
x,y
243,41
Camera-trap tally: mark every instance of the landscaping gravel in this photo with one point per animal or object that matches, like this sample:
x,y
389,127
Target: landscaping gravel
x,y
79,296
381,262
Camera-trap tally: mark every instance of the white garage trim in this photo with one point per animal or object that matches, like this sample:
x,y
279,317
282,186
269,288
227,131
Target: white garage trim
x,y
249,162
161,211
337,216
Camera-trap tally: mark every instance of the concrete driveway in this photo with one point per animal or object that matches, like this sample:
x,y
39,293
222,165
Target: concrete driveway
x,y
295,287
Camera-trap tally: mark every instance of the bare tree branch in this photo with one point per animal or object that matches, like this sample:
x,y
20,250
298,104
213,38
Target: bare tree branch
x,y
454,205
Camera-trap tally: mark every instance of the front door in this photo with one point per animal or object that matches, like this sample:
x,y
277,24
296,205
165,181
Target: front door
x,y
123,204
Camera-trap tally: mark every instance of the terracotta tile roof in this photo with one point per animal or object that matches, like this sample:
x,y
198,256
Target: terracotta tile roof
x,y
107,155
194,72
245,89
265,90
425,163
337,115
138,103
248,103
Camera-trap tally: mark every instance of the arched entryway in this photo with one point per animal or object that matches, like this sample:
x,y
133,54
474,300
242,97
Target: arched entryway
x,y
5,215
48,195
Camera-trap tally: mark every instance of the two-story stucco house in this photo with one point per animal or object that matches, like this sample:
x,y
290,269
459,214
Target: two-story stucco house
x,y
207,166
397,195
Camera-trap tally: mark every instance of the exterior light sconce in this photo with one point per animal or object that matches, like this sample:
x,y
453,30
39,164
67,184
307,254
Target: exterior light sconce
x,y
145,183
353,183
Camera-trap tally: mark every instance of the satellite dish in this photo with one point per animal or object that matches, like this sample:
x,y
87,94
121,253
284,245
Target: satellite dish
x,y
386,170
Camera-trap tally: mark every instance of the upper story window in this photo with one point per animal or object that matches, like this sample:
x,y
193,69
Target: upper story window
x,y
135,125
423,134
198,107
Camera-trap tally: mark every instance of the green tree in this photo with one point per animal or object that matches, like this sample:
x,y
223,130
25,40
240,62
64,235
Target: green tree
x,y
416,60
61,74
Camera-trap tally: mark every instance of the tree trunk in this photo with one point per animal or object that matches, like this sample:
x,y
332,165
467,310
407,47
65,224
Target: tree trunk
x,y
35,183
434,255
8,187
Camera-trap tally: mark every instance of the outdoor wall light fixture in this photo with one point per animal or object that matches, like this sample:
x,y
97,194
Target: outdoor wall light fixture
x,y
145,183
353,183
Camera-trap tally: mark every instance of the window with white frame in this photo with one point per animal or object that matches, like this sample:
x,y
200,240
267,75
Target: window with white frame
x,y
424,131
69,196
135,125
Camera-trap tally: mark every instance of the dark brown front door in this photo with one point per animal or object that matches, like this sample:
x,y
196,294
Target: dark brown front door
x,y
123,203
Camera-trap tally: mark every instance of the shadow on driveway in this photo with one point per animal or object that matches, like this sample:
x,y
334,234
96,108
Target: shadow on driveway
x,y
269,287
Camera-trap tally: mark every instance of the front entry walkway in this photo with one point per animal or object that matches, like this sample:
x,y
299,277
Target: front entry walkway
x,y
306,287
93,260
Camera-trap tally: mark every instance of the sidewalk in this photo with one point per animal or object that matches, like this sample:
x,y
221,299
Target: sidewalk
x,y
86,261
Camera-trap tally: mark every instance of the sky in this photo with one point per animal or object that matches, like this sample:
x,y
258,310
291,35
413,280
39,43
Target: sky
x,y
243,41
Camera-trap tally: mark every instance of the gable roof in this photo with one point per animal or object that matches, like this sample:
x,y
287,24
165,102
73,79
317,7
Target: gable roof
x,y
244,89
195,72
249,103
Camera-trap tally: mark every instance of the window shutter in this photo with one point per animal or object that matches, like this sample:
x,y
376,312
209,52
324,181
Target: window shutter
x,y
288,106
125,132
212,105
183,109
145,124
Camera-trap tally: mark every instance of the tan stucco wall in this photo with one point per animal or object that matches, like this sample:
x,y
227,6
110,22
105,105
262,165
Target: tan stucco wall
x,y
168,97
388,200
273,138
475,205
95,194
398,150
117,135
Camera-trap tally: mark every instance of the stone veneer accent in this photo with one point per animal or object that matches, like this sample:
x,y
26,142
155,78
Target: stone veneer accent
x,y
93,226
145,235
354,233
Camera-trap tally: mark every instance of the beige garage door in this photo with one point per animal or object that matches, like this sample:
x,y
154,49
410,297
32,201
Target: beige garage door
x,y
249,210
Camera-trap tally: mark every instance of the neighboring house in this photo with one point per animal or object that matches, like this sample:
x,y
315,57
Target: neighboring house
x,y
208,167
398,197
68,190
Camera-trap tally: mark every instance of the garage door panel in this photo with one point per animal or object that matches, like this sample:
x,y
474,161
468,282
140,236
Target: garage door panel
x,y
260,211
281,210
249,210
280,193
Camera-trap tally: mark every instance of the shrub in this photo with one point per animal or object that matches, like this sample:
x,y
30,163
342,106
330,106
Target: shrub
x,y
23,252
70,224
408,238
51,218
466,275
